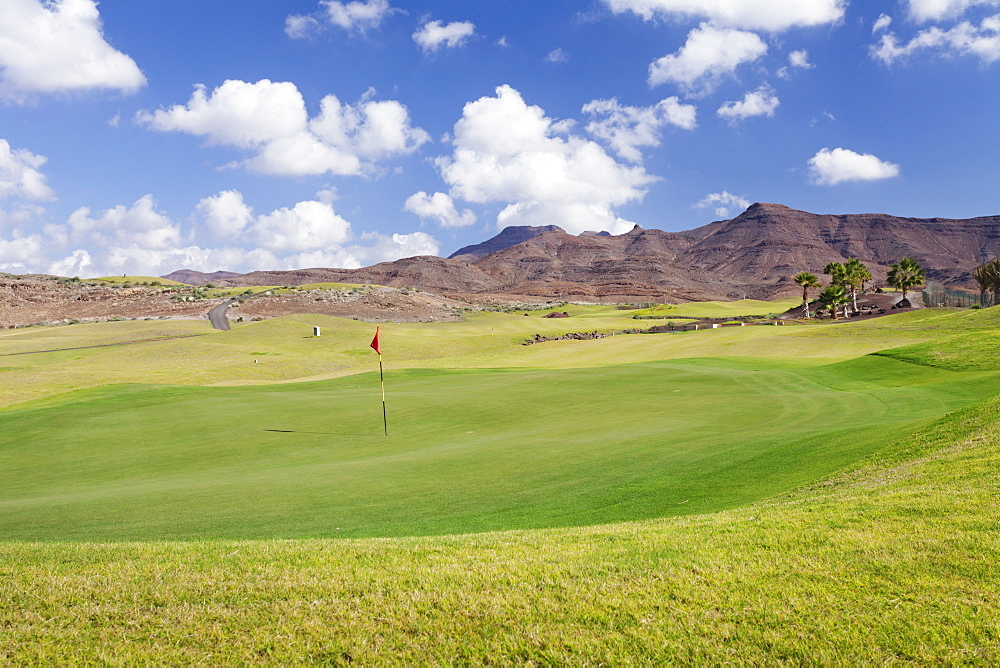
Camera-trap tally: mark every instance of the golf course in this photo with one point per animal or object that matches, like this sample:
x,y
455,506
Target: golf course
x,y
820,493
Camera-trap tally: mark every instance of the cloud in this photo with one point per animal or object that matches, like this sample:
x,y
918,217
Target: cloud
x,y
140,225
58,46
301,26
77,264
760,102
625,129
270,119
433,35
439,207
23,215
936,10
769,15
354,17
140,239
800,59
385,248
964,39
16,253
708,55
828,168
225,215
557,56
881,23
510,153
19,175
797,59
722,202
306,226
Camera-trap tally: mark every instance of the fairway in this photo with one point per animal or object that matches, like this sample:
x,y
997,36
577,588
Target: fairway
x,y
719,496
468,451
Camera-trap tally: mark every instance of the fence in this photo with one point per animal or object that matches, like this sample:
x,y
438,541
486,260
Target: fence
x,y
935,294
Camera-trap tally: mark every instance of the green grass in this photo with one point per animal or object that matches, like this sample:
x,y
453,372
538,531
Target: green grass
x,y
720,309
748,495
586,446
894,561
469,450
283,349
134,280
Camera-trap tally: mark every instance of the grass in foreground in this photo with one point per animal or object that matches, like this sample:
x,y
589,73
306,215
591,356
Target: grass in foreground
x,y
469,450
894,561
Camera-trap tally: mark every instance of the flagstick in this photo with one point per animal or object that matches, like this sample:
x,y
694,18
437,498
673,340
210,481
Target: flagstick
x,y
385,422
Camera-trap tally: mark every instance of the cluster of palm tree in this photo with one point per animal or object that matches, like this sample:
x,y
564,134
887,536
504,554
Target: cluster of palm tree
x,y
905,274
987,275
832,296
849,278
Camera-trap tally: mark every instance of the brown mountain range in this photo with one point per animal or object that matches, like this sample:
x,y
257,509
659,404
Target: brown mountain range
x,y
753,255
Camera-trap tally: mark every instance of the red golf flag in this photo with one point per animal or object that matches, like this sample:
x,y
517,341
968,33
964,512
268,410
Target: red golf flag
x,y
375,343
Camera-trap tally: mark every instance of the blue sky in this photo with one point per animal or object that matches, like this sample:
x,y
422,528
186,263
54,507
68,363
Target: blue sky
x,y
143,137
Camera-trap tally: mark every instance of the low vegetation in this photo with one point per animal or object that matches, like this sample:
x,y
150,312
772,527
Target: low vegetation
x,y
633,501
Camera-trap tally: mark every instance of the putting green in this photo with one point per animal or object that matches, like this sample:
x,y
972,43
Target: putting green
x,y
468,450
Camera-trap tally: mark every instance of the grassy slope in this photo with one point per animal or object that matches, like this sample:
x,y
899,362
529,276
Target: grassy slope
x,y
894,561
134,280
468,451
283,349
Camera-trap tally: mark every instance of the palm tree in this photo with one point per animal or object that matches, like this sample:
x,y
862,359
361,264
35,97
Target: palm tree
x,y
995,279
905,274
807,281
855,275
987,277
837,273
832,297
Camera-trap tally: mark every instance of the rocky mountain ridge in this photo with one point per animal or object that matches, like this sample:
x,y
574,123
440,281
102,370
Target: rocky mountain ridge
x,y
752,255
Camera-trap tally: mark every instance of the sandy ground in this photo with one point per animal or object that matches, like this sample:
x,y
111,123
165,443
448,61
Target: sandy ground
x,y
36,300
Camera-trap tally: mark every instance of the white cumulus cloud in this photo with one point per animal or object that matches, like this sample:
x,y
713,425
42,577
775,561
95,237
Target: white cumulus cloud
x,y
800,59
626,129
19,174
389,247
139,225
769,15
510,153
225,215
709,54
306,226
760,102
964,39
270,118
439,207
16,254
881,23
58,46
721,203
434,35
937,10
354,17
140,239
830,167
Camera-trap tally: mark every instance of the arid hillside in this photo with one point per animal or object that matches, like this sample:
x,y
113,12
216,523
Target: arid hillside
x,y
753,255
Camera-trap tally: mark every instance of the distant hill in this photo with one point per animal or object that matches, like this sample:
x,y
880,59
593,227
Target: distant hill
x,y
191,277
752,255
427,272
510,236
